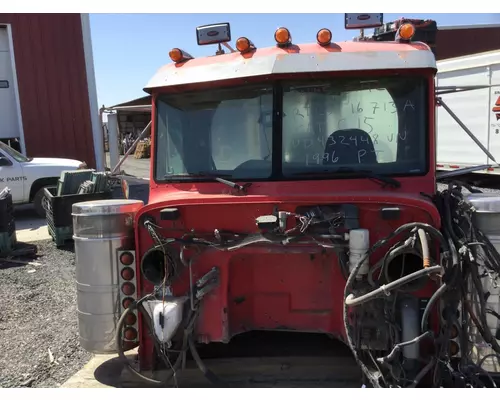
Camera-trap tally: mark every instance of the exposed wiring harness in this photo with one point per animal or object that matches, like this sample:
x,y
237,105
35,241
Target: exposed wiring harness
x,y
221,241
468,260
374,375
475,259
196,293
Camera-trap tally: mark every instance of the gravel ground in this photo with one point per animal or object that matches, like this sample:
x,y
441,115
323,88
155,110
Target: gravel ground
x,y
38,314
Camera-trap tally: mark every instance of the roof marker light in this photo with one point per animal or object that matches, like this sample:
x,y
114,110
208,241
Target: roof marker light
x,y
244,45
324,37
177,55
405,32
283,37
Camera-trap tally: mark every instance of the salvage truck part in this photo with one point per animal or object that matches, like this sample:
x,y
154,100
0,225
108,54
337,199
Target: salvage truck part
x,y
293,188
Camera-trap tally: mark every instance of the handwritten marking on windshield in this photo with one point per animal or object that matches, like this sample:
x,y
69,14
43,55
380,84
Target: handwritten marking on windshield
x,y
332,158
408,104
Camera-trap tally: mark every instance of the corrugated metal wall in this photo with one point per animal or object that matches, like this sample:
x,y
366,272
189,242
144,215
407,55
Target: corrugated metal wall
x,y
53,91
451,43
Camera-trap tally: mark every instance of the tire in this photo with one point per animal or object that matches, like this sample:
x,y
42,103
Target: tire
x,y
38,202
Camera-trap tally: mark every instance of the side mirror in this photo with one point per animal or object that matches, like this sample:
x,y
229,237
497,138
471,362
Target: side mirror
x,y
5,162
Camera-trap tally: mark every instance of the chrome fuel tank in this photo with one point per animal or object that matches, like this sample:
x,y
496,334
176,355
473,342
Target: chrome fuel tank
x,y
101,229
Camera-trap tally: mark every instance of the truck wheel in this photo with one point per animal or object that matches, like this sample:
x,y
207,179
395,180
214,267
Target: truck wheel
x,y
38,202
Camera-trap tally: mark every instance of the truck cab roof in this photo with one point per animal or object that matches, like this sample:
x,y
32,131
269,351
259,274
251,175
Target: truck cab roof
x,y
297,58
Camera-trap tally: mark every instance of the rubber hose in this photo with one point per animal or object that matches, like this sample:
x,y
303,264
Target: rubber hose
x,y
355,301
125,360
436,295
425,248
212,378
422,373
372,270
453,250
448,219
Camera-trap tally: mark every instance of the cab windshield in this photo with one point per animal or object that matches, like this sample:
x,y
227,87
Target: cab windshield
x,y
294,130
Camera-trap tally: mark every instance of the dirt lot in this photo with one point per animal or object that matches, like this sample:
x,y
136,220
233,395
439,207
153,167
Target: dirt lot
x,y
38,320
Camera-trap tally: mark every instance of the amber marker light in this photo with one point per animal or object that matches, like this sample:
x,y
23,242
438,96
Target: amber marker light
x,y
406,32
282,37
324,37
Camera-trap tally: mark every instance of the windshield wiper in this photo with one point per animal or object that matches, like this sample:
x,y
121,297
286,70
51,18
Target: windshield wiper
x,y
343,171
219,178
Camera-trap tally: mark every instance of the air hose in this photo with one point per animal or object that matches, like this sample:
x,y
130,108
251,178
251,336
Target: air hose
x,y
356,301
425,248
435,296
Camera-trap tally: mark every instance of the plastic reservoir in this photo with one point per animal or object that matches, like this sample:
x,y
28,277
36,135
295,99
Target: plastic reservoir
x,y
100,229
487,219
359,243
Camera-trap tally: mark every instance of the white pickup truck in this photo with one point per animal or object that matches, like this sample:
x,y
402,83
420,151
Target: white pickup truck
x,y
27,177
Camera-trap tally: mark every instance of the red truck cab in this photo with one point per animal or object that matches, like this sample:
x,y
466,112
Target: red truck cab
x,y
304,150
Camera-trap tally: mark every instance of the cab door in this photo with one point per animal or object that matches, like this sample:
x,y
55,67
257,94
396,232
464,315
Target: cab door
x,y
11,176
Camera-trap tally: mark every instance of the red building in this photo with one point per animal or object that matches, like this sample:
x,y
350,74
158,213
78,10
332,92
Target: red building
x,y
458,41
48,96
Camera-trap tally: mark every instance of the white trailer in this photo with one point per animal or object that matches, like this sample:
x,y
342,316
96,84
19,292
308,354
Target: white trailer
x,y
478,109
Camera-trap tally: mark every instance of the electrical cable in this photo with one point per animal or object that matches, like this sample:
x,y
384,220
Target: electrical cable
x,y
397,348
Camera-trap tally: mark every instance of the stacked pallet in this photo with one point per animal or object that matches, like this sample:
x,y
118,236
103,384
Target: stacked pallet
x,y
142,150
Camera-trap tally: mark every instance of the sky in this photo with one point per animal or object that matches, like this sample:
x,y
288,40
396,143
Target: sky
x,y
129,48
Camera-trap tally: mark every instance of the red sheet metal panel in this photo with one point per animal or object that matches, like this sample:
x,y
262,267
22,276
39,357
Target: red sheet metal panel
x,y
52,81
453,43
